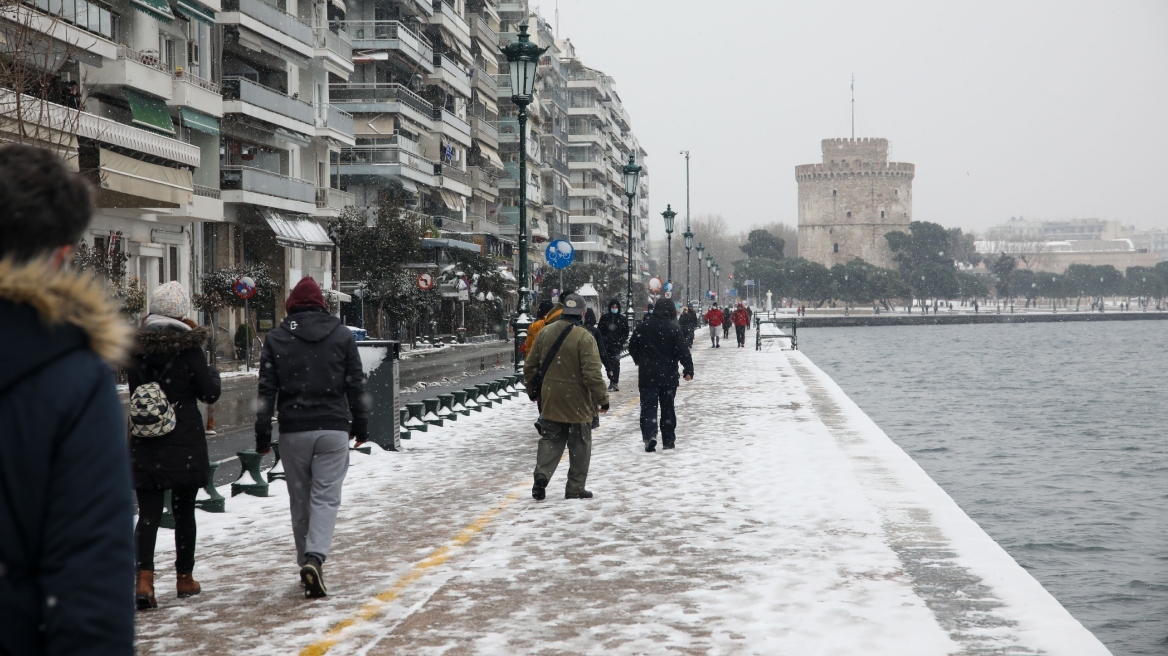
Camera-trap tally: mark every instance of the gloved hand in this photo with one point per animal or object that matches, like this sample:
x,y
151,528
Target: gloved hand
x,y
263,446
604,408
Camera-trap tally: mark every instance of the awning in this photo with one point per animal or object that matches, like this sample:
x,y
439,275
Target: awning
x,y
367,56
409,185
258,43
451,199
491,154
428,242
199,121
128,182
196,11
156,8
339,5
149,112
297,231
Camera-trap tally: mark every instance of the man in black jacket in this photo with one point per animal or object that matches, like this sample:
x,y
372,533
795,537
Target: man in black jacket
x,y
66,543
311,365
657,346
615,328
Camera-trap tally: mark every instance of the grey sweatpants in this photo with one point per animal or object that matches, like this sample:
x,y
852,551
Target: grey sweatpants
x,y
316,463
578,439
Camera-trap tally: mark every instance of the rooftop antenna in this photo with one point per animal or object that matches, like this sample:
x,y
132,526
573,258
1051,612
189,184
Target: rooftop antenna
x,y
557,19
853,105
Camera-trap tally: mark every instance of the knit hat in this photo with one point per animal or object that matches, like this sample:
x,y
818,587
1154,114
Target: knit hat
x,y
169,300
306,294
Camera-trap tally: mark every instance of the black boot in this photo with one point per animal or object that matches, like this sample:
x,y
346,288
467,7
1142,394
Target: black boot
x,y
666,445
312,576
539,490
582,494
650,445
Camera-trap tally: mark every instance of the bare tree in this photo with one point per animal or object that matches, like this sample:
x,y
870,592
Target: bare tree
x,y
1029,248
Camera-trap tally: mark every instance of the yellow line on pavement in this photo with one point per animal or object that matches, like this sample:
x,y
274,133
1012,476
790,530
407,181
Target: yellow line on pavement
x,y
371,608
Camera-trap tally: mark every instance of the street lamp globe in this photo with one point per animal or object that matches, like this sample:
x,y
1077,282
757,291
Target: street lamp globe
x,y
689,240
631,172
523,55
701,249
668,215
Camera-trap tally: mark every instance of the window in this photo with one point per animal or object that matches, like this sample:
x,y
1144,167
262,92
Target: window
x,y
833,193
849,215
173,259
882,214
835,248
895,192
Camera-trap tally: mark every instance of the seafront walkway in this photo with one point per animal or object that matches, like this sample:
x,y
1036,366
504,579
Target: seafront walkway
x,y
785,522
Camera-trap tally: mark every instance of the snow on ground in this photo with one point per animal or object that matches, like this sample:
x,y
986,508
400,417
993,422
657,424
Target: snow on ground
x,y
784,523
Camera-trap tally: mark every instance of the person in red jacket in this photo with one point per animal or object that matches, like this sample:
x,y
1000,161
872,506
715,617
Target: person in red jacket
x,y
741,320
714,319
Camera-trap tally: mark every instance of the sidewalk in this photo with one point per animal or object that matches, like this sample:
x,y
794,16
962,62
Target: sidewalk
x,y
784,523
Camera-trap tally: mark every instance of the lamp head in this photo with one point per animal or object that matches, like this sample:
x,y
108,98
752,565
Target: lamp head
x,y
631,172
669,214
523,55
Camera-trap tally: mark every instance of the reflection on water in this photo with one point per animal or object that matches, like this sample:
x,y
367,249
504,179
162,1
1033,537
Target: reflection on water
x,y
1053,437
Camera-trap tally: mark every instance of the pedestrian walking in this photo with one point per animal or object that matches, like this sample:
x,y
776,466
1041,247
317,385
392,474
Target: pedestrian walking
x,y
562,373
657,347
614,326
726,322
546,313
590,326
741,320
689,324
311,368
170,454
714,320
67,552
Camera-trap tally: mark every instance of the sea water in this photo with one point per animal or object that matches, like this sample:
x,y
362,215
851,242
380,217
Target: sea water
x,y
1053,437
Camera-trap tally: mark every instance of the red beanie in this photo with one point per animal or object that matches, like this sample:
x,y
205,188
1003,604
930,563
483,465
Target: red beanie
x,y
305,295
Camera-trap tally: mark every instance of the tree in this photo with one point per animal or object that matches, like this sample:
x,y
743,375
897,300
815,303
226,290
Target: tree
x,y
810,281
611,282
1003,268
1025,283
972,285
961,247
887,285
923,258
760,243
851,281
1146,282
769,275
488,288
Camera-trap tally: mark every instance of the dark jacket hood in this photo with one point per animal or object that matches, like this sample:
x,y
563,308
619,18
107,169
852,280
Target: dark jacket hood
x,y
169,342
310,325
45,313
663,308
612,302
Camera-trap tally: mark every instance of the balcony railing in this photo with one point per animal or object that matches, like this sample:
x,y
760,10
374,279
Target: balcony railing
x,y
150,59
484,177
207,192
484,127
245,178
340,121
486,82
450,13
365,155
452,172
253,93
337,42
450,66
333,199
379,93
452,120
560,166
197,81
388,31
479,25
272,16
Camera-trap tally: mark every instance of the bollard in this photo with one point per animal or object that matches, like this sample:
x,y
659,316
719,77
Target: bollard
x,y
274,475
519,386
402,431
210,430
459,404
472,403
216,503
167,520
431,416
249,463
415,423
484,398
493,391
509,386
501,389
446,410
367,450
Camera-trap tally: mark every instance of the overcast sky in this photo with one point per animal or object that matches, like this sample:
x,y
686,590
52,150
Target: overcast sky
x,y
1021,108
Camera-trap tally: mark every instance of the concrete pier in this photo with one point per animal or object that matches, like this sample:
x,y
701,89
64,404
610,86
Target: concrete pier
x,y
786,522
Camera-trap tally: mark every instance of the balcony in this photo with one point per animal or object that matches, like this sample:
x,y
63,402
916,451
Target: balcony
x,y
386,161
450,72
242,96
196,93
242,184
88,34
446,16
452,178
142,71
481,128
390,35
486,180
450,125
479,28
330,202
335,49
336,125
382,99
269,21
486,83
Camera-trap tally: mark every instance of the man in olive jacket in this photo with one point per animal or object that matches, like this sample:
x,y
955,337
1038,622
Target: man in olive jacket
x,y
572,391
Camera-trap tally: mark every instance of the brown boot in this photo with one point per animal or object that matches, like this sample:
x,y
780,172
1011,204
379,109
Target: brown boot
x,y
187,586
144,592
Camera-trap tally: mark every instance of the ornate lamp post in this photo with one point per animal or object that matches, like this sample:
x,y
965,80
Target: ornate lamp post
x,y
523,56
631,172
717,282
709,273
688,245
687,234
701,297
668,215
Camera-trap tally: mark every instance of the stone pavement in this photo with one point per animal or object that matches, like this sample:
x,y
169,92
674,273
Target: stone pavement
x,y
784,523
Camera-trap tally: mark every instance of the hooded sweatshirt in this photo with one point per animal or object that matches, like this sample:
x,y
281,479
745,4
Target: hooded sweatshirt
x,y
658,346
614,328
311,367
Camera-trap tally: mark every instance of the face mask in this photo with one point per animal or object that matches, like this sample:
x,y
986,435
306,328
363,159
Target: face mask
x,y
614,310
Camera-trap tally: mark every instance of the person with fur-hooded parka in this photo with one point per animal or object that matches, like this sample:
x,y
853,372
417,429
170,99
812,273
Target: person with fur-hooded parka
x,y
169,351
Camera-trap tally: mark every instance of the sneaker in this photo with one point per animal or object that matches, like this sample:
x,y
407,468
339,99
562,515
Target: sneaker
x,y
539,490
650,446
313,578
615,388
582,494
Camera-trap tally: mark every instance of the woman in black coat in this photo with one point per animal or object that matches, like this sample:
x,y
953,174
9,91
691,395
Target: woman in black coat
x,y
169,351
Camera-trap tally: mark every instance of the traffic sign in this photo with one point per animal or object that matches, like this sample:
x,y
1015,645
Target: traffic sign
x,y
655,284
559,254
669,294
245,288
425,281
668,287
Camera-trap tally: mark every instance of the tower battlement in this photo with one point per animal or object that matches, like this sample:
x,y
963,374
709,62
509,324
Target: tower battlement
x,y
866,149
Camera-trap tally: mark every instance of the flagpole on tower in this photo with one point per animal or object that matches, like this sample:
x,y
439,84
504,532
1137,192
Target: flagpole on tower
x,y
853,105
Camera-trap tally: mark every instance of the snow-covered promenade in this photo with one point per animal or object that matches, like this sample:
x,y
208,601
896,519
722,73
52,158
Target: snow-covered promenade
x,y
786,522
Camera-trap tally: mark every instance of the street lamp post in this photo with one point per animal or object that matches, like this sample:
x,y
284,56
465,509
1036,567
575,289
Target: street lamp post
x,y
709,273
668,215
701,297
523,57
631,172
688,245
687,234
845,294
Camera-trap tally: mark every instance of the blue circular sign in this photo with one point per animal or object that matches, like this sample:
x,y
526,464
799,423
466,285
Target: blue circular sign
x,y
559,254
668,287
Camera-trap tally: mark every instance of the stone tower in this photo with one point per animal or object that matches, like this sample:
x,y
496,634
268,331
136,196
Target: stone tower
x,y
850,201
